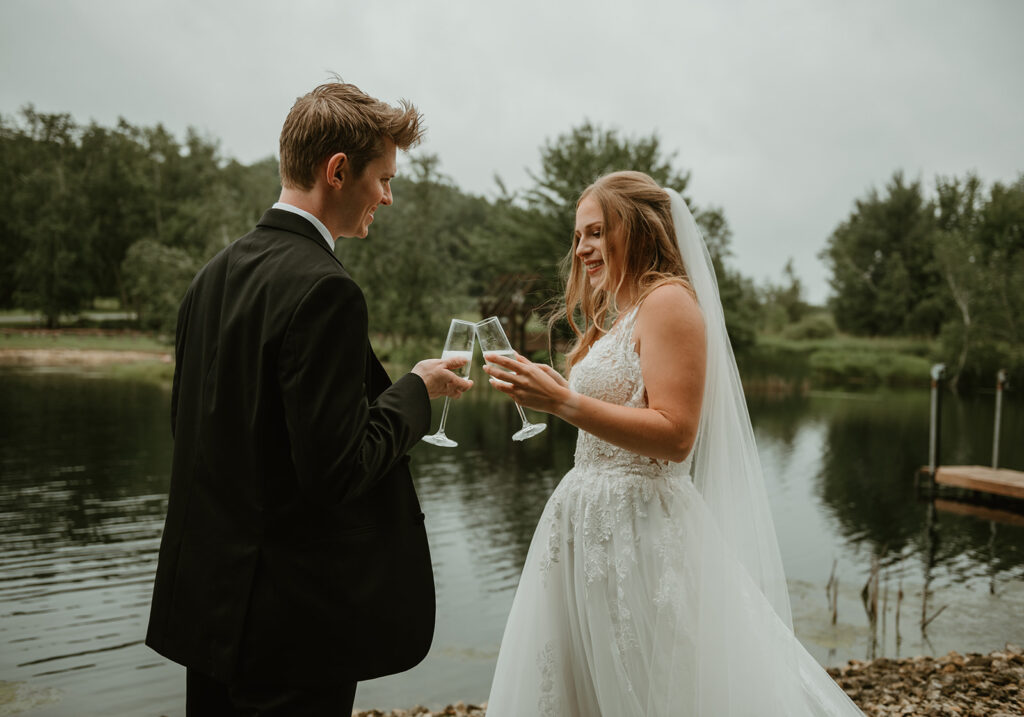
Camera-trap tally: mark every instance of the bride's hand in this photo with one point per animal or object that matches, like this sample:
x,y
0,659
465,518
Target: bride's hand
x,y
532,385
559,378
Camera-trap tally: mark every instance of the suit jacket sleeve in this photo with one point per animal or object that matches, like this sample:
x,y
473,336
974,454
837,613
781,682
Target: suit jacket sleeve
x,y
179,357
341,443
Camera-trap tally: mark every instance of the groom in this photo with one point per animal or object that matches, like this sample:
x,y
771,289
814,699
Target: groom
x,y
294,560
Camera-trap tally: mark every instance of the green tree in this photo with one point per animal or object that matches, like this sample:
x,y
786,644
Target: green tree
x,y
17,160
74,199
980,254
1000,233
157,277
883,276
783,304
115,166
50,220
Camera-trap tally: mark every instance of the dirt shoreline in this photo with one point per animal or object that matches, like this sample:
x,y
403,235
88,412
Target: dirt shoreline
x,y
971,685
78,357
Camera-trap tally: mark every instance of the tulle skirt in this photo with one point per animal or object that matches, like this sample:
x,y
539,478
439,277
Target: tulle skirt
x,y
630,604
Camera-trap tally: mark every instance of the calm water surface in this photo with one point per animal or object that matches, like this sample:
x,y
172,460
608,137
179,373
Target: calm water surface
x,y
84,467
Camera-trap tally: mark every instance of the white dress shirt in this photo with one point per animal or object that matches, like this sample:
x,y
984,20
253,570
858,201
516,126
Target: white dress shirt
x,y
313,220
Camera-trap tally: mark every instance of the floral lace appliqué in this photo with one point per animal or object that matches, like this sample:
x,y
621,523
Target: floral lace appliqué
x,y
593,514
547,705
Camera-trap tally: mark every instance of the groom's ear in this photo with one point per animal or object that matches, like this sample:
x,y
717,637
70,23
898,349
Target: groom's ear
x,y
336,169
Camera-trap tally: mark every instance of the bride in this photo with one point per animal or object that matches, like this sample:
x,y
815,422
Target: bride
x,y
653,585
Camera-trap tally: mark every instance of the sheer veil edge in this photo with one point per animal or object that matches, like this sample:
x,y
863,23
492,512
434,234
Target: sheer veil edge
x,y
726,468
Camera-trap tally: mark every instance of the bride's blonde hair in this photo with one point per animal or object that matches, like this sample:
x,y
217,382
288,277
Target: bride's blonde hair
x,y
633,203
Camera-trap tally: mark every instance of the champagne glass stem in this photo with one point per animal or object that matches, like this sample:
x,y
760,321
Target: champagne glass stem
x,y
444,414
522,413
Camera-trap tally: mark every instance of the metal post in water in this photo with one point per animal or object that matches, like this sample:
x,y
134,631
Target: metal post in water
x,y
938,373
1000,382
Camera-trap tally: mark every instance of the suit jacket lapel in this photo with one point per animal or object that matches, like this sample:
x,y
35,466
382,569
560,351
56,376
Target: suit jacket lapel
x,y
294,224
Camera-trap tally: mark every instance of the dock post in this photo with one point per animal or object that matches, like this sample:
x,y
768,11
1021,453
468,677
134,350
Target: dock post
x,y
1000,382
934,424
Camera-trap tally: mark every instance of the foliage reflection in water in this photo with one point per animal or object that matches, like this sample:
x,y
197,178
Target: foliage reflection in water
x,y
85,464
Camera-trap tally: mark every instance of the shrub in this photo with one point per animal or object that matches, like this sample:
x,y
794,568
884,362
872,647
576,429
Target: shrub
x,y
868,368
813,326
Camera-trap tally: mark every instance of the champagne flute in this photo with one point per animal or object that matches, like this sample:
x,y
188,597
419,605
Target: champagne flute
x,y
461,335
493,340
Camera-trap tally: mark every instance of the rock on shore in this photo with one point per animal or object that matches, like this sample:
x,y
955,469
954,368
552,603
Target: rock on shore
x,y
954,685
459,709
970,685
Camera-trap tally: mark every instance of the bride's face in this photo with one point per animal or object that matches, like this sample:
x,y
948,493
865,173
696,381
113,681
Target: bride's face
x,y
593,243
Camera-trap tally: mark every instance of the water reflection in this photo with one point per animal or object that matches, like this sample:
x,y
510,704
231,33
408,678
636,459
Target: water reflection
x,y
84,465
866,475
874,446
499,486
85,468
871,517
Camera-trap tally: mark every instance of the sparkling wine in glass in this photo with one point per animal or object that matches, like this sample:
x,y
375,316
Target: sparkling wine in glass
x,y
461,335
493,340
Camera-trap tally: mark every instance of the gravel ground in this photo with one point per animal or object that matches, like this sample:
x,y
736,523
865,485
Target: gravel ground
x,y
972,685
954,685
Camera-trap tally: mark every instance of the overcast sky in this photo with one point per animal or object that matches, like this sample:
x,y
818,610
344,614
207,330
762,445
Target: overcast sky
x,y
784,112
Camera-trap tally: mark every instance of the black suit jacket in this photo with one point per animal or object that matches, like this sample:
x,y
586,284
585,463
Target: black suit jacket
x,y
294,548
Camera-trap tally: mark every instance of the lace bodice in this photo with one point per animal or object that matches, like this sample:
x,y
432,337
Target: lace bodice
x,y
611,372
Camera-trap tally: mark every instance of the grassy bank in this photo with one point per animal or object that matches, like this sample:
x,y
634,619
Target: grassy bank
x,y
83,339
774,365
128,355
777,363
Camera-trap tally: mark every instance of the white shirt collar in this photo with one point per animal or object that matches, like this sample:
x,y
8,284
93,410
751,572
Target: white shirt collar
x,y
312,220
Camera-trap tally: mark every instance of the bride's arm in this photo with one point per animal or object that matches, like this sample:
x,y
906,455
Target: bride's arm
x,y
669,334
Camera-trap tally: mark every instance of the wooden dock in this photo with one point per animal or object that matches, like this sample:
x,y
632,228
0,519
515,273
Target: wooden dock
x,y
1004,482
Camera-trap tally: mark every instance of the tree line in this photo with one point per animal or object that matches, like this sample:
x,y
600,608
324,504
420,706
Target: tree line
x,y
125,212
948,264
131,213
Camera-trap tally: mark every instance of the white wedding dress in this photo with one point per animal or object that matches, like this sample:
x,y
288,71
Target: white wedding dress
x,y
630,603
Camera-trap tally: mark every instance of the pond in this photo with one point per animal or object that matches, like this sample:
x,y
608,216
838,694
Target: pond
x,y
85,464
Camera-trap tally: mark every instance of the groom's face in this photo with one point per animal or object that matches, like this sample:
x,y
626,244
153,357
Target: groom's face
x,y
360,196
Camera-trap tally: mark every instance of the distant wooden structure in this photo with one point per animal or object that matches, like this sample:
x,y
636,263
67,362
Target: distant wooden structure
x,y
513,298
995,481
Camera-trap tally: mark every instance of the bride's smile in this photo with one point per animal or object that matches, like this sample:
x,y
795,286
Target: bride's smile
x,y
590,241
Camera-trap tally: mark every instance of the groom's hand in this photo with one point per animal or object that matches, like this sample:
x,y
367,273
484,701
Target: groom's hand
x,y
440,380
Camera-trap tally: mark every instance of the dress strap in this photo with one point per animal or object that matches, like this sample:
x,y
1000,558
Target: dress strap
x,y
626,319
623,328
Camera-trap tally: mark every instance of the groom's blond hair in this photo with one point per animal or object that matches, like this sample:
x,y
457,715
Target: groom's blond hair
x,y
339,117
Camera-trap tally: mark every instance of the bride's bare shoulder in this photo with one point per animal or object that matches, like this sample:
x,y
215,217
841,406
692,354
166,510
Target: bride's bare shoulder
x,y
671,307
